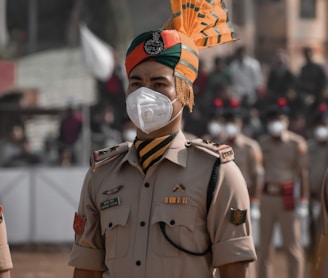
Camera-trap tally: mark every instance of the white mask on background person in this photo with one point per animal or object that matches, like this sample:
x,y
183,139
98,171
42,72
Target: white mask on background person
x,y
320,133
276,128
149,110
129,134
232,130
214,128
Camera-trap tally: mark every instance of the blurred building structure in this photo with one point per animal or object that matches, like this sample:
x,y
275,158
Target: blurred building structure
x,y
43,40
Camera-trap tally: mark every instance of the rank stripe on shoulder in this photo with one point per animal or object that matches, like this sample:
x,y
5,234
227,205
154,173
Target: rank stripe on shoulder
x,y
101,157
225,151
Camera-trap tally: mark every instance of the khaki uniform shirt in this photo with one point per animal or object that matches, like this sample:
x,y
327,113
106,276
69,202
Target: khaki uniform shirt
x,y
123,208
283,159
318,163
248,157
5,258
320,267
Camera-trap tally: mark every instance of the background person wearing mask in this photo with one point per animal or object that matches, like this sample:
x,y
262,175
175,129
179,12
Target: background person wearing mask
x,y
285,165
318,163
144,209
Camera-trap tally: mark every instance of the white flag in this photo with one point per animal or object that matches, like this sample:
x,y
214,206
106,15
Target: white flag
x,y
3,24
98,56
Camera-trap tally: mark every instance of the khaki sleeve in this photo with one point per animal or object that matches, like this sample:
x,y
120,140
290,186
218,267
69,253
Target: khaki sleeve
x,y
5,257
88,250
257,158
324,205
232,240
303,154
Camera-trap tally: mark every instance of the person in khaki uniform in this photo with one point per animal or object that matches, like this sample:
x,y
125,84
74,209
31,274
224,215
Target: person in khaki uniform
x,y
319,267
318,163
285,163
248,154
5,257
163,206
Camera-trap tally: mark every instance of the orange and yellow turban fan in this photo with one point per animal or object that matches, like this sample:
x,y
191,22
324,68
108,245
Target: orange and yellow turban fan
x,y
195,24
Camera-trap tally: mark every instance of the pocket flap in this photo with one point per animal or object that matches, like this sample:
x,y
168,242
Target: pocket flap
x,y
175,216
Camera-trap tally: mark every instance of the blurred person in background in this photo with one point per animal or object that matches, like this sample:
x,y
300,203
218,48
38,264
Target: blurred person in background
x,y
286,167
248,154
311,80
246,77
70,128
102,124
218,79
318,163
215,125
319,265
280,78
5,258
16,149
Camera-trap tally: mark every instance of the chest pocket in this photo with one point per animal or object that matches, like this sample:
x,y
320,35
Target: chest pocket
x,y
180,227
114,225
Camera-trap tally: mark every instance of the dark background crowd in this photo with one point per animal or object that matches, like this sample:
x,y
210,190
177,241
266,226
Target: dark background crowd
x,y
239,76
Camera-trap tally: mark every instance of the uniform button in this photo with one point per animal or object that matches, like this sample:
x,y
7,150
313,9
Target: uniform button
x,y
142,223
110,224
147,184
138,263
172,222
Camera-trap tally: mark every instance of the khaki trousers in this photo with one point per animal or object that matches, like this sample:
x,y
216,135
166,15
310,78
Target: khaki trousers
x,y
272,211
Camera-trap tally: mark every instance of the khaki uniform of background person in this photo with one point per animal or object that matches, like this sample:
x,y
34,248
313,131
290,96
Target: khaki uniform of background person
x,y
151,220
285,163
248,157
5,258
319,268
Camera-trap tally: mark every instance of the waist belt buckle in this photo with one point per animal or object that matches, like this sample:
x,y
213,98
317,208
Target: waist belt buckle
x,y
274,189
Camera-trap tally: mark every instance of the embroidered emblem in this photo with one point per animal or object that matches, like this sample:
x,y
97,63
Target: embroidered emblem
x,y
179,187
238,216
79,223
110,203
155,45
112,191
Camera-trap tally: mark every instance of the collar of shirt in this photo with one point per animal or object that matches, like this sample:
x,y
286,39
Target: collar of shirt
x,y
177,153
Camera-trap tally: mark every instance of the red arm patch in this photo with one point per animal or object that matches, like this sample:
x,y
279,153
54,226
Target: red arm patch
x,y
79,222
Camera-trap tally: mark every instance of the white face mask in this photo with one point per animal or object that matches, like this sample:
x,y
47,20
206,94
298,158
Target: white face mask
x,y
276,128
149,110
321,133
232,130
214,128
129,134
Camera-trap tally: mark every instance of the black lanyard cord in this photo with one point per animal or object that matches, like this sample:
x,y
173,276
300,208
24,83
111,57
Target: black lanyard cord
x,y
163,229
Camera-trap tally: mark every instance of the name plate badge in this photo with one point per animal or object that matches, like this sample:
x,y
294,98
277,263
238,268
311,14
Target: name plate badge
x,y
110,203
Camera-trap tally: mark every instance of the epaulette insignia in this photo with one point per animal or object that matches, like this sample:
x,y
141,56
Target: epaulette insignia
x,y
226,153
105,155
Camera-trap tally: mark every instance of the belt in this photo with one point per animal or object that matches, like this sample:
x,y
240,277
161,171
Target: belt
x,y
274,189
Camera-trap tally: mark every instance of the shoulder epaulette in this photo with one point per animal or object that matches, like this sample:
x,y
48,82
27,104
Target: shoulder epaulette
x,y
101,157
224,151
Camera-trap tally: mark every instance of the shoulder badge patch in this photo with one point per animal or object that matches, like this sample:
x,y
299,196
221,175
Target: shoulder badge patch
x,y
79,222
226,153
101,157
238,216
